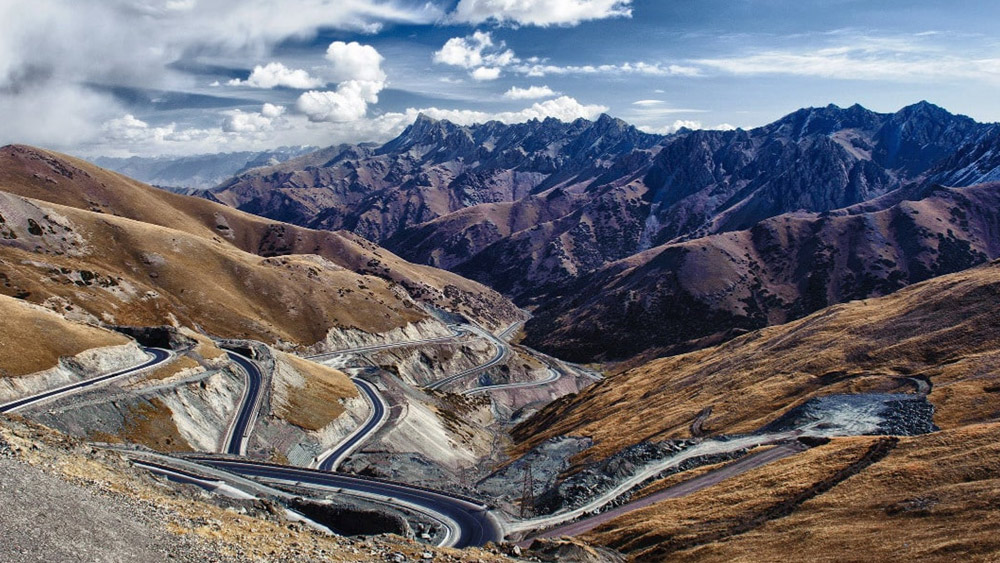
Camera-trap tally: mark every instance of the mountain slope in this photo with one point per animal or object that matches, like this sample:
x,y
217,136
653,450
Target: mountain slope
x,y
529,208
305,282
944,331
781,269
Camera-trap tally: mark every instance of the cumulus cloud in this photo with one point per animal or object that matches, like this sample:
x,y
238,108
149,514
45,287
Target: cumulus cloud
x,y
485,73
238,121
539,12
349,102
358,68
354,61
276,74
529,93
477,52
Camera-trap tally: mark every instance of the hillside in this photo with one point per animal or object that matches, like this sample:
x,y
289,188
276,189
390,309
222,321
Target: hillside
x,y
944,331
680,296
33,339
931,498
544,210
126,253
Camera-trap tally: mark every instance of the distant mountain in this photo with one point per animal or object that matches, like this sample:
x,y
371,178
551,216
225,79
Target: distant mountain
x,y
529,209
189,174
684,295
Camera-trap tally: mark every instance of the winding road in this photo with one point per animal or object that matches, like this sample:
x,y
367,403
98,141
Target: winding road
x,y
158,356
239,431
379,414
682,489
469,523
502,351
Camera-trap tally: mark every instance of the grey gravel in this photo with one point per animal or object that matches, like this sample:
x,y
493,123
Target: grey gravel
x,y
44,518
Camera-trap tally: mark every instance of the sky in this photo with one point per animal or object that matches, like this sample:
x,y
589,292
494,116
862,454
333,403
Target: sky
x,y
179,77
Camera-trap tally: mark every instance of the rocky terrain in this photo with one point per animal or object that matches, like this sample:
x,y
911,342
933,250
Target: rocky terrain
x,y
545,210
685,295
63,500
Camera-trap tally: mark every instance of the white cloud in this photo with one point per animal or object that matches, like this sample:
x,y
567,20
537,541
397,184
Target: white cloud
x,y
486,59
862,58
563,108
683,124
348,103
638,68
354,61
539,12
485,73
271,110
358,68
252,122
529,93
476,50
48,51
647,103
126,135
276,74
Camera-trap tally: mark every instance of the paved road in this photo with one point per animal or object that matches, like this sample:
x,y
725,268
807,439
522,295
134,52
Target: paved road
x,y
685,488
502,351
379,414
158,356
554,375
239,431
472,524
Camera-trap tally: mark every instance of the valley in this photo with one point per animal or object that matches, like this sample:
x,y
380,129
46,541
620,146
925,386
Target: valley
x,y
769,359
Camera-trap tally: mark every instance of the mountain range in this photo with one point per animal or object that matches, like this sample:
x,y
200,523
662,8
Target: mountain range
x,y
189,174
566,218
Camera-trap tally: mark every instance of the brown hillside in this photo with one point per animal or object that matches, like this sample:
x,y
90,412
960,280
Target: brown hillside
x,y
668,298
60,179
121,271
946,329
933,498
33,339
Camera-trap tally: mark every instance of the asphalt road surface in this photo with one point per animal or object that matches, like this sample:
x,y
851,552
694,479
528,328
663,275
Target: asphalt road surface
x,y
158,356
380,413
240,431
474,524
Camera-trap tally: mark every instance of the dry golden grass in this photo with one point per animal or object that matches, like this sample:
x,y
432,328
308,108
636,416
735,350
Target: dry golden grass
x,y
946,329
147,273
33,339
173,368
934,497
206,348
151,425
318,402
64,180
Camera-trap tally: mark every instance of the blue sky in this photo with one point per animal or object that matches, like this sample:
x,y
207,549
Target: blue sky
x,y
190,76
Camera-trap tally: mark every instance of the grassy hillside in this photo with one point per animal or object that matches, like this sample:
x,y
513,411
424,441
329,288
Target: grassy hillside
x,y
932,498
63,180
946,330
33,339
